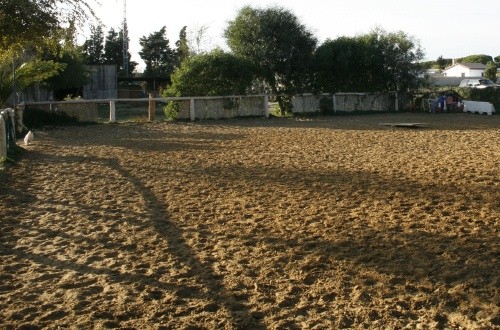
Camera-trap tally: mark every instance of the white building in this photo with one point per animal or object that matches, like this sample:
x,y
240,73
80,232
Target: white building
x,y
465,70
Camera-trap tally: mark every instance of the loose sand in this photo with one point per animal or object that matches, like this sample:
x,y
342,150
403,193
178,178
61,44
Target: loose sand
x,y
320,223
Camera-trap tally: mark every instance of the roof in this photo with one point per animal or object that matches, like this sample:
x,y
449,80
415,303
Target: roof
x,y
472,66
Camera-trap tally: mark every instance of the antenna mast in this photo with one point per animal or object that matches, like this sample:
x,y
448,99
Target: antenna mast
x,y
125,39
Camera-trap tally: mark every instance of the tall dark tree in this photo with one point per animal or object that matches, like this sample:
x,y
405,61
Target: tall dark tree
x,y
374,62
441,62
93,48
182,50
491,71
275,41
160,59
113,51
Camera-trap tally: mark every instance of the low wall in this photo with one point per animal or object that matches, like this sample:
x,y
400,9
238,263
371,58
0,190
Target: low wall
x,y
348,102
84,112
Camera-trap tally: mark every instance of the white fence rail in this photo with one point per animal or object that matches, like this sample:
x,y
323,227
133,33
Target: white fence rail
x,y
217,107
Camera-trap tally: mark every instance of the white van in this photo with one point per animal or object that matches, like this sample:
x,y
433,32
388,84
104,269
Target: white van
x,y
478,83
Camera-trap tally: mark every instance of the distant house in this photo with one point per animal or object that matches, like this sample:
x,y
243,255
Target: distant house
x,y
465,70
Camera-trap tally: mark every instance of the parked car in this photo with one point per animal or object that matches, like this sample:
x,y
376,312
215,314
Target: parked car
x,y
478,83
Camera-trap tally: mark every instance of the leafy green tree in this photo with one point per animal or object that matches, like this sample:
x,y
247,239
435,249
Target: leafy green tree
x,y
26,74
497,59
160,59
113,51
491,71
69,80
93,48
442,63
25,22
212,74
182,45
340,65
275,41
375,62
480,58
113,48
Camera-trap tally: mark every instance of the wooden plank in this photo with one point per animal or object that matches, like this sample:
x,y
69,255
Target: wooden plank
x,y
408,125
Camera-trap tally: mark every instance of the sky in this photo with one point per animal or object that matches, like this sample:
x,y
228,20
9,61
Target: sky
x,y
451,28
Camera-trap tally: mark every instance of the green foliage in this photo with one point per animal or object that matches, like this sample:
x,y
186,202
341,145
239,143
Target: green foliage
x,y
326,105
442,63
171,110
160,59
38,118
113,51
26,74
211,74
375,62
480,58
74,74
491,95
31,22
491,71
93,48
276,42
182,51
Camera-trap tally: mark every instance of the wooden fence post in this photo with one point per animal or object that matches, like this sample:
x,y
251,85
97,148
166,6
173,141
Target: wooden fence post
x,y
112,112
3,138
397,101
151,108
19,117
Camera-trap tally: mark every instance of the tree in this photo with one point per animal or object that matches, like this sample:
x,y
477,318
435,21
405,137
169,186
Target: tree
x,y
93,48
182,45
113,52
442,63
374,62
274,40
491,71
480,58
69,80
211,74
160,59
31,21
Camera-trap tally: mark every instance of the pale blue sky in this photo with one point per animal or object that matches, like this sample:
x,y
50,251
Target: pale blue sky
x,y
452,28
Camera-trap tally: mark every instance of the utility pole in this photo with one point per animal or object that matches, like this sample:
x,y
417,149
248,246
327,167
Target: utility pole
x,y
125,39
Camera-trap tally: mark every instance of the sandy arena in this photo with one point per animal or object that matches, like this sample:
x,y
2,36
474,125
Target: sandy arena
x,y
319,223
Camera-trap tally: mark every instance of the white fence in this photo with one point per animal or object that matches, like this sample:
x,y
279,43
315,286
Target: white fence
x,y
346,102
217,107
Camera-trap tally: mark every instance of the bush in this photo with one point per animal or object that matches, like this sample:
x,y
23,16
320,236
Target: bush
x,y
37,118
171,110
491,95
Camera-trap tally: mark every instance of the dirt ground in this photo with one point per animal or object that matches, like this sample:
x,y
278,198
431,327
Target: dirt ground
x,y
319,223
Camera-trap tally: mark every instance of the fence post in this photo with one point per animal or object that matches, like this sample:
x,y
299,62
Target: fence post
x,y
3,138
266,106
19,117
192,114
151,108
396,101
112,112
334,103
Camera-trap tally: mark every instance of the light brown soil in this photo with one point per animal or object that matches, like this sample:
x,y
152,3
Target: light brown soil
x,y
319,223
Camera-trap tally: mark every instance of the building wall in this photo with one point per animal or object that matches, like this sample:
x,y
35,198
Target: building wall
x,y
461,71
103,83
